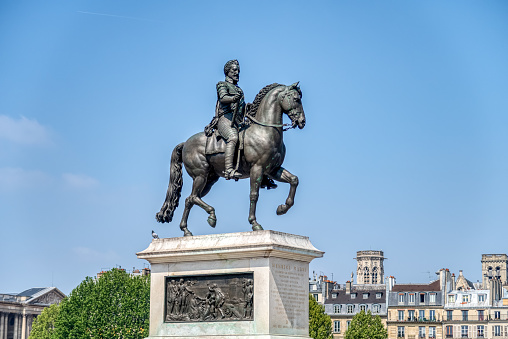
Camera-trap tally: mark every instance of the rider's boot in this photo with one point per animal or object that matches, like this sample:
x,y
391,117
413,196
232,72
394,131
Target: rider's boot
x,y
230,172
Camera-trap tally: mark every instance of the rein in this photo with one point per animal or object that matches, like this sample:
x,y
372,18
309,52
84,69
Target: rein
x,y
271,125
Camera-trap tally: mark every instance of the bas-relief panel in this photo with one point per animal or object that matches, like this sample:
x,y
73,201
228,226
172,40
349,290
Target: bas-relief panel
x,y
226,297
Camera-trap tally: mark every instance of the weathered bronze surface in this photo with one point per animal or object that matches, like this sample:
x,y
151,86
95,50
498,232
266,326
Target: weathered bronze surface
x,y
225,297
260,158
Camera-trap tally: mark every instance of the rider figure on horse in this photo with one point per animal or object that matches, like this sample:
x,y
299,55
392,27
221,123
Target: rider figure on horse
x,y
230,110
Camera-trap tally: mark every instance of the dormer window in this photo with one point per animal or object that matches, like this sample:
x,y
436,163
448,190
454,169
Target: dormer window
x,y
334,295
353,295
379,295
365,296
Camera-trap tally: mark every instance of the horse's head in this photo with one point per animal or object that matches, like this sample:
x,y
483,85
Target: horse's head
x,y
291,102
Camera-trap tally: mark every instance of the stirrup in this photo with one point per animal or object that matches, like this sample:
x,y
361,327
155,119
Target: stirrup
x,y
232,174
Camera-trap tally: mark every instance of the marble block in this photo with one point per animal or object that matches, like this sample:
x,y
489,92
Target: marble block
x,y
278,261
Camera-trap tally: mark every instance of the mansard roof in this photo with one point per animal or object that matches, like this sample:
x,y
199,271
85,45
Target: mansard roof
x,y
431,287
344,298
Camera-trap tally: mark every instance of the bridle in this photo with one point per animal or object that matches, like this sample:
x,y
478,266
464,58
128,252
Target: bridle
x,y
291,113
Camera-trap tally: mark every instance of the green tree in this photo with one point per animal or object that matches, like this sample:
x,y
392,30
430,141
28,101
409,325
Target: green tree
x,y
44,325
365,326
320,324
116,305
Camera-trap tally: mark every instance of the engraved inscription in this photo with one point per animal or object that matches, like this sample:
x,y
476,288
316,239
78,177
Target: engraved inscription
x,y
224,297
290,295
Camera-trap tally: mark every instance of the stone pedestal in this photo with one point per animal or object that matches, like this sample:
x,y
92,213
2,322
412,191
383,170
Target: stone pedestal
x,y
278,262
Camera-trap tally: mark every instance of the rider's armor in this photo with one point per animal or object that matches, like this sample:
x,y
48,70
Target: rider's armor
x,y
230,110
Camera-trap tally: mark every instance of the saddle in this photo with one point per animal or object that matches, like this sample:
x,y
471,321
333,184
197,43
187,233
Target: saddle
x,y
215,143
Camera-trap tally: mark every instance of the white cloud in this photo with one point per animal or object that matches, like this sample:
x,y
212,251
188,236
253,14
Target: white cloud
x,y
79,181
23,131
17,178
91,255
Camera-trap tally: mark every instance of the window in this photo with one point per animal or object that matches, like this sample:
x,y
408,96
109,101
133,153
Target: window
x,y
315,297
421,315
334,295
401,298
421,332
336,308
432,315
376,308
465,298
350,308
411,298
400,332
401,315
411,314
379,295
497,315
481,297
464,315
481,315
347,324
374,275
451,298
432,332
353,295
497,331
464,331
480,331
449,331
336,326
314,287
363,308
422,297
365,296
432,297
366,276
449,315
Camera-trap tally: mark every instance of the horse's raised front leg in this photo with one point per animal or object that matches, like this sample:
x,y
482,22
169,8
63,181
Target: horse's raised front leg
x,y
256,175
198,185
283,175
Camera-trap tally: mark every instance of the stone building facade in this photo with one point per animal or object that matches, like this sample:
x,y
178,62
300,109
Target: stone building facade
x,y
416,310
18,311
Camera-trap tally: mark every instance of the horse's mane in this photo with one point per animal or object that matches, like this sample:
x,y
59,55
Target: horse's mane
x,y
259,97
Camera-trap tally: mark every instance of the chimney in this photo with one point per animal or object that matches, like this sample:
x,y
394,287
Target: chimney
x,y
390,281
348,287
146,271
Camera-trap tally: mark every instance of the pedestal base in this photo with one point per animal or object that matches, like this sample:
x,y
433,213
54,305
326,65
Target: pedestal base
x,y
278,262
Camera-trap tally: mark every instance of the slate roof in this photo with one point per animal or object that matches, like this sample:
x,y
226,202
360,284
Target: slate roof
x,y
30,292
343,298
431,287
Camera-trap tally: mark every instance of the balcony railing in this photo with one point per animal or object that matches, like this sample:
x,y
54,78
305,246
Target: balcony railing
x,y
416,320
474,318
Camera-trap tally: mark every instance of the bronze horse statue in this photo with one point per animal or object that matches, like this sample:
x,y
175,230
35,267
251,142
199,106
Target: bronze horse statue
x,y
263,155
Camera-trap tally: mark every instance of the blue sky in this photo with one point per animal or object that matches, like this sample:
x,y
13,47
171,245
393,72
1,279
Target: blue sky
x,y
404,148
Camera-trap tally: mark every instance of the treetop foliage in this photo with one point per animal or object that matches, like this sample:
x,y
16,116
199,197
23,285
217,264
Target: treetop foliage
x,y
320,324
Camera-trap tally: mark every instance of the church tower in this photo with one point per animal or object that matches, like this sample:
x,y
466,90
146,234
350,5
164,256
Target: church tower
x,y
494,266
370,269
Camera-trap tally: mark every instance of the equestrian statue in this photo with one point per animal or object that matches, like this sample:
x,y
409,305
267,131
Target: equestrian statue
x,y
242,141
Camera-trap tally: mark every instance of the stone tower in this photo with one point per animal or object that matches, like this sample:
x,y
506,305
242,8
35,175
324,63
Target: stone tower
x,y
370,269
494,266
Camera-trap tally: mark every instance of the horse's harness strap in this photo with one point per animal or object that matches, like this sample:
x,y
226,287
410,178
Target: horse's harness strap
x,y
269,125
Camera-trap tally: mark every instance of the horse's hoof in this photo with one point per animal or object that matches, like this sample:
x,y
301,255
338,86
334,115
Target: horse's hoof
x,y
257,227
281,210
212,221
186,232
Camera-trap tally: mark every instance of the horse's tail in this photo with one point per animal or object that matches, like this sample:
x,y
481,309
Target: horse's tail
x,y
174,188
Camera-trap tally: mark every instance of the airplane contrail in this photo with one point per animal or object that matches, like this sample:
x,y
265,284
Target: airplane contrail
x,y
117,16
